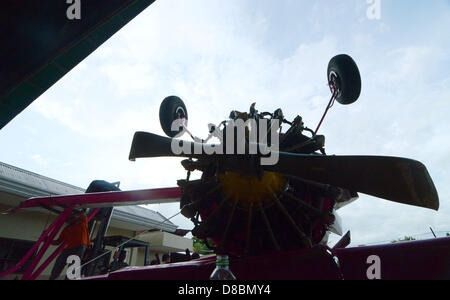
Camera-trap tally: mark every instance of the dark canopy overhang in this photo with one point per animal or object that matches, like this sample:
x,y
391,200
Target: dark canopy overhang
x,y
39,44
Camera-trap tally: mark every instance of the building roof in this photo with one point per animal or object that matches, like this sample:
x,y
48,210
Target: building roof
x,y
142,217
26,184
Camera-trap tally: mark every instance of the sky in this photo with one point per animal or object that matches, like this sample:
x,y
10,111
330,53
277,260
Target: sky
x,y
220,56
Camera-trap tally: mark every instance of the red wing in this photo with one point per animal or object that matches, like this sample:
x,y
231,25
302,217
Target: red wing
x,y
105,199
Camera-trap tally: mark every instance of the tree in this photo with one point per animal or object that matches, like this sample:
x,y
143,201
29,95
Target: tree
x,y
200,246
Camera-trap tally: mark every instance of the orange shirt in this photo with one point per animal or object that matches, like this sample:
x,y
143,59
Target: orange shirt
x,y
76,234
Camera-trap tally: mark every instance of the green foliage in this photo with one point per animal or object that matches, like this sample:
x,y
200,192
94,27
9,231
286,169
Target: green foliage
x,y
405,239
199,246
448,234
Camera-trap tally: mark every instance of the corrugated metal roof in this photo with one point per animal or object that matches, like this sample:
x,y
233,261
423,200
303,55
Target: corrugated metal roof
x,y
32,180
143,217
142,212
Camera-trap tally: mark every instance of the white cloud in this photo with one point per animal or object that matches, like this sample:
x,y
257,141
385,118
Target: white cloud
x,y
129,79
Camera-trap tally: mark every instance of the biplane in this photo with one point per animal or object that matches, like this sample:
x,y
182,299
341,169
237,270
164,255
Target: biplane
x,y
272,219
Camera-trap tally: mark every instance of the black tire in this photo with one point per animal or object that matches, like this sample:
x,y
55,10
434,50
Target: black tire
x,y
171,109
343,70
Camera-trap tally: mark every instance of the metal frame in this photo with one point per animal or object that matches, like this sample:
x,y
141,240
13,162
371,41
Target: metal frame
x,y
45,239
92,200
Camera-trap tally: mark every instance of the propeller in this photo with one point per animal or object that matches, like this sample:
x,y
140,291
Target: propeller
x,y
147,144
396,179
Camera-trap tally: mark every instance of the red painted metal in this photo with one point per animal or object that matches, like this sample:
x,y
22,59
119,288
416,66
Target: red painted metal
x,y
33,249
106,199
426,259
92,214
45,264
330,104
47,237
59,222
97,200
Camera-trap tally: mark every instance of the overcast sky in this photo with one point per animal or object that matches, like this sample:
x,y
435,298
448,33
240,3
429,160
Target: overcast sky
x,y
223,55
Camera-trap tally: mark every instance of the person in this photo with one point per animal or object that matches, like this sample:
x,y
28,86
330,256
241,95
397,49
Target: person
x,y
166,259
120,264
188,254
154,262
75,236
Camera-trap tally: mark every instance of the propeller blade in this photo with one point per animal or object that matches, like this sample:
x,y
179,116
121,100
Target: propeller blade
x,y
392,178
147,144
396,179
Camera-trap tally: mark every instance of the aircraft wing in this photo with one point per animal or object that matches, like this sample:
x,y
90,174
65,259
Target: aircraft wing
x,y
106,199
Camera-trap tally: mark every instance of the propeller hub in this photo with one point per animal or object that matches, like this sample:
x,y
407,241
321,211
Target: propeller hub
x,y
248,189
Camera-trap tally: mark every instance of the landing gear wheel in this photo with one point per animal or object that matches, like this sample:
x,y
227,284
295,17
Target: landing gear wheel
x,y
344,74
172,108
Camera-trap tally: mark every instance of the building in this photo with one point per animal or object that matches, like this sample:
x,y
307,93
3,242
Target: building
x,y
20,230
